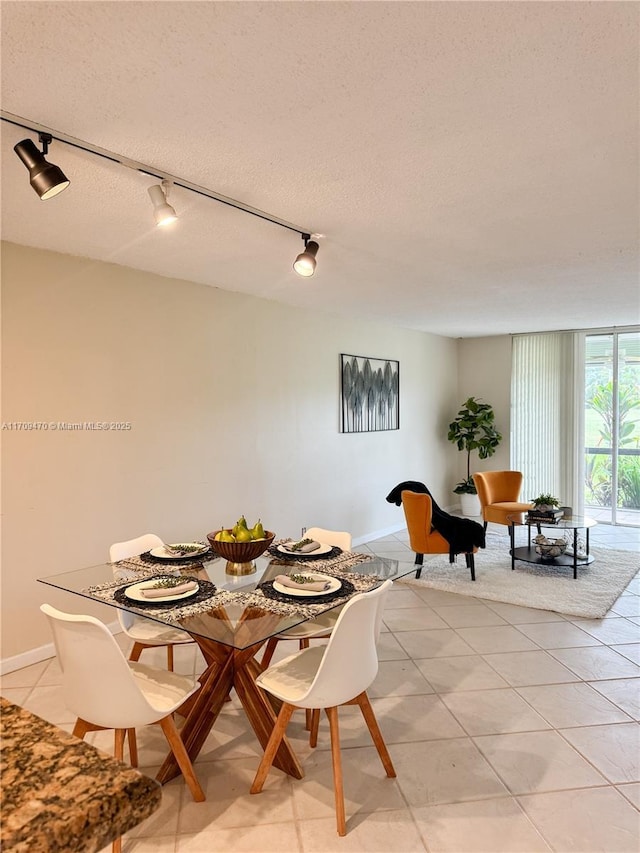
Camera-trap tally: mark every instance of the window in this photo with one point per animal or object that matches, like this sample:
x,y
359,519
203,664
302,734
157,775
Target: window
x,y
612,427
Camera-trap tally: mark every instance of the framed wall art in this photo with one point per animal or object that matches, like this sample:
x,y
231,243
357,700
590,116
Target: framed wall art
x,y
369,393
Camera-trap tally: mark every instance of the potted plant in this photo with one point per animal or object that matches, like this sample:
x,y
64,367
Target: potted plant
x,y
545,503
473,429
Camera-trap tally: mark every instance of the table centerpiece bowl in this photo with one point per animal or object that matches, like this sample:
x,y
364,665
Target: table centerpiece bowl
x,y
240,555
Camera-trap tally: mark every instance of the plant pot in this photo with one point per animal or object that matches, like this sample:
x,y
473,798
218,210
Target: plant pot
x,y
470,505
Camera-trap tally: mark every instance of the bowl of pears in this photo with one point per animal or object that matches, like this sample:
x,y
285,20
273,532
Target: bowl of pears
x,y
240,545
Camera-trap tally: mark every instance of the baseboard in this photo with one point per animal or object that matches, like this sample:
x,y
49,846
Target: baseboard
x,y
378,534
45,652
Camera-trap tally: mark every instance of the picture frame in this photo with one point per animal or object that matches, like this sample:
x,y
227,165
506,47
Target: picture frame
x,y
369,393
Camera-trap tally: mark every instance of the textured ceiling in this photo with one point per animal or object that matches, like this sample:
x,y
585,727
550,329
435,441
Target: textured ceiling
x,y
473,167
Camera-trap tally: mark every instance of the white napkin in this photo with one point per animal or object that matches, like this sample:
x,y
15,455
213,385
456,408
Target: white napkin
x,y
304,549
315,586
165,591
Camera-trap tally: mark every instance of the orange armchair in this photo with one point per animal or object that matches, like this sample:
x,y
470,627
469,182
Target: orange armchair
x,y
498,492
422,538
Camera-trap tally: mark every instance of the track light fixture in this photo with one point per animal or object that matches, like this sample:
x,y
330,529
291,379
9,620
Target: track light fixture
x,y
305,263
46,178
163,212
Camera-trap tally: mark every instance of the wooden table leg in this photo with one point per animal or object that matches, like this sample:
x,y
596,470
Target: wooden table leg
x,y
229,667
261,708
216,682
261,714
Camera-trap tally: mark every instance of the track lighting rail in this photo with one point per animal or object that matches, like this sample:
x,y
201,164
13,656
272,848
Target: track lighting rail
x,y
151,171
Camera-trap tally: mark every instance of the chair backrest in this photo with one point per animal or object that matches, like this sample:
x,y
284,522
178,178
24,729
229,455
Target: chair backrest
x,y
497,486
97,682
350,660
123,550
340,538
133,547
417,511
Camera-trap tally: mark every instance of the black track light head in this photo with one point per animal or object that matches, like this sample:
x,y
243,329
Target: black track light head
x,y
46,178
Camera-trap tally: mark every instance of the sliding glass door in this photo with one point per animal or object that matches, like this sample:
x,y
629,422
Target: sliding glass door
x,y
612,427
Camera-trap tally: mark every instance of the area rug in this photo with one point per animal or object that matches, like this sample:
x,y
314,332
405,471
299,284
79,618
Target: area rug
x,y
544,587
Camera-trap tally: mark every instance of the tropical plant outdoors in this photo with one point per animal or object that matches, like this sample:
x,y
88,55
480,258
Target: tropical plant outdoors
x,y
473,429
598,473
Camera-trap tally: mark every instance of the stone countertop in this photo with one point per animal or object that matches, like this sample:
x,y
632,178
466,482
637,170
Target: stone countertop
x,y
61,795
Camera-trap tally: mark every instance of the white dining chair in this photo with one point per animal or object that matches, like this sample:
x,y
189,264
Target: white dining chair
x,y
330,537
105,691
145,633
326,677
319,628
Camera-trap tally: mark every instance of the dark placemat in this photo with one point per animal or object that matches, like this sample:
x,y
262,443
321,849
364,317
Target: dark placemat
x,y
206,590
312,555
346,588
150,560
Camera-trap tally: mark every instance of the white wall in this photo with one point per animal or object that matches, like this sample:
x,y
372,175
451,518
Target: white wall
x,y
233,403
484,370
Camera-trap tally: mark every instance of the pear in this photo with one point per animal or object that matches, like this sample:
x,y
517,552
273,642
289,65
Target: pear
x,y
243,535
257,531
240,524
225,536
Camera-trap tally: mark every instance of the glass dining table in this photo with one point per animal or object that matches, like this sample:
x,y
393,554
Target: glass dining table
x,y
230,617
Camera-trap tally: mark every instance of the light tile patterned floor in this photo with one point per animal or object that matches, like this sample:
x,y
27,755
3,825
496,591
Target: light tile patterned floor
x,y
512,730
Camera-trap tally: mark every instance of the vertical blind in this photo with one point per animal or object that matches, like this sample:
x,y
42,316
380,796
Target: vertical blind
x,y
547,415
